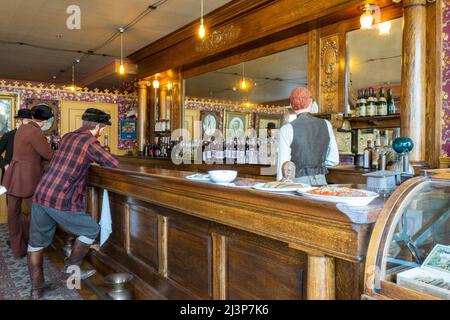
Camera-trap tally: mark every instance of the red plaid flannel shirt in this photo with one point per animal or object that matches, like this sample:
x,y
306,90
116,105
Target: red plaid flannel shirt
x,y
63,186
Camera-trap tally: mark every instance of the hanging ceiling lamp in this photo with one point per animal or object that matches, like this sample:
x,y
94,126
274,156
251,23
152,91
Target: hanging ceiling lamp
x,y
121,67
73,87
243,85
366,19
371,15
201,29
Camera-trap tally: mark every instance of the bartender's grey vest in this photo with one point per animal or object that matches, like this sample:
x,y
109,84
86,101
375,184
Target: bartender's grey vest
x,y
309,145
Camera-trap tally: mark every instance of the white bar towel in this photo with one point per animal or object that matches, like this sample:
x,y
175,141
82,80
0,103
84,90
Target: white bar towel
x,y
105,220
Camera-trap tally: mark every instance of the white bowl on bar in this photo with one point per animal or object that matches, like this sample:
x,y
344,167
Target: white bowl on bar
x,y
222,176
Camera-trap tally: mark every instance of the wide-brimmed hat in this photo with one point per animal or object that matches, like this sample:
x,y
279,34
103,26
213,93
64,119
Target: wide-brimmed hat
x,y
41,111
23,114
271,125
96,115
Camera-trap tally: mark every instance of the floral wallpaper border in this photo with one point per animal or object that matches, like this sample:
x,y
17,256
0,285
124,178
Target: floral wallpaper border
x,y
445,150
126,101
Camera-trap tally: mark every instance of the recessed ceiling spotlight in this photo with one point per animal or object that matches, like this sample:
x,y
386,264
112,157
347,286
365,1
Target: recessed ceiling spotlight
x,y
54,77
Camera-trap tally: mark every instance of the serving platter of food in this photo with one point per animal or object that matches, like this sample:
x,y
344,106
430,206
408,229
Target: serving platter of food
x,y
351,197
280,186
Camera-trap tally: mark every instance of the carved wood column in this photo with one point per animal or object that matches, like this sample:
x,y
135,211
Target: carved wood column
x,y
142,113
414,77
320,278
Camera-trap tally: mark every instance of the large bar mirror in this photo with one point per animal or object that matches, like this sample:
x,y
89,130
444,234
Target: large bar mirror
x,y
247,95
373,87
374,61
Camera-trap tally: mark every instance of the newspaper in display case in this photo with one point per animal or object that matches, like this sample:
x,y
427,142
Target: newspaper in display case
x,y
433,277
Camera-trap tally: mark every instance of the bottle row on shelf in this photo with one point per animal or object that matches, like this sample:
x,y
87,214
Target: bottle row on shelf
x,y
231,151
371,105
162,125
161,148
379,156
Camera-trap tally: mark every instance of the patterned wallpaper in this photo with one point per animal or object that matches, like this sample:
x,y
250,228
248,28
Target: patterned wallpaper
x,y
446,79
127,102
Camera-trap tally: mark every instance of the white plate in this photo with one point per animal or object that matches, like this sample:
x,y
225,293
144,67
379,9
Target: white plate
x,y
195,177
350,201
260,186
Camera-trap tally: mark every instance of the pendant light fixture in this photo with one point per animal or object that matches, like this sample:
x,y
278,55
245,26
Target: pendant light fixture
x,y
121,67
371,17
243,84
72,87
201,29
366,19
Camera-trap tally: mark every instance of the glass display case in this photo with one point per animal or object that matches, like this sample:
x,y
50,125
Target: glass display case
x,y
409,250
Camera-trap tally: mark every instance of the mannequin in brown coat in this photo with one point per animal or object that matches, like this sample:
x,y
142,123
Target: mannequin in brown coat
x,y
23,175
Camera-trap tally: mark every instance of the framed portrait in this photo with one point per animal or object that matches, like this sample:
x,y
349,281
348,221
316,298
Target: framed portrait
x,y
8,107
236,124
128,129
211,121
262,122
53,124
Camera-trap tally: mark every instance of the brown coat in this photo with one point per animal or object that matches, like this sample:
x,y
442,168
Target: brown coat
x,y
25,170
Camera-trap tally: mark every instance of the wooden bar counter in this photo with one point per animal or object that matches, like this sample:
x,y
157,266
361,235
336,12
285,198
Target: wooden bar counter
x,y
193,240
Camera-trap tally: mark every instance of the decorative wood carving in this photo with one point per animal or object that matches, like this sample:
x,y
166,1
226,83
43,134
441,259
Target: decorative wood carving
x,y
329,73
219,38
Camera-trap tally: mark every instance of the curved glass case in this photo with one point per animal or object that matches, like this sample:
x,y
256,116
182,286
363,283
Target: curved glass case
x,y
409,251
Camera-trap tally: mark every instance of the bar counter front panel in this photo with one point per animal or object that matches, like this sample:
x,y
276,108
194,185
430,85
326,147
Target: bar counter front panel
x,y
192,240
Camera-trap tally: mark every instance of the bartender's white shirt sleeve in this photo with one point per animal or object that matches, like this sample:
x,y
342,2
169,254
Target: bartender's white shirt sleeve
x,y
285,140
333,151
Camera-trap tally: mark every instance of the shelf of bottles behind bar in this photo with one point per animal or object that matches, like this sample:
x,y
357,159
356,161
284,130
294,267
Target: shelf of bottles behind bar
x,y
370,104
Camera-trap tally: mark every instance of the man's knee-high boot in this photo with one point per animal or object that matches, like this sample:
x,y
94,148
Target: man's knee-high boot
x,y
79,251
35,266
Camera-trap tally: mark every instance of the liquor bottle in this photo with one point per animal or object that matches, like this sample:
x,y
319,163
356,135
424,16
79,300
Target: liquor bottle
x,y
371,103
106,143
376,151
228,155
234,150
367,161
382,104
362,104
391,109
247,150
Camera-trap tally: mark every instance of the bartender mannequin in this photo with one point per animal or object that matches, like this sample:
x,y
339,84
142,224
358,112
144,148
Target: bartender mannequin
x,y
307,141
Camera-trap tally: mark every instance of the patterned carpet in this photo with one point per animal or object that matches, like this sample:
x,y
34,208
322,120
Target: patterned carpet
x,y
15,279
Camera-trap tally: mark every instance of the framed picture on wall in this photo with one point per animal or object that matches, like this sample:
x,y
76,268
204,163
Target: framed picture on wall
x,y
128,129
211,121
8,109
52,125
236,124
262,122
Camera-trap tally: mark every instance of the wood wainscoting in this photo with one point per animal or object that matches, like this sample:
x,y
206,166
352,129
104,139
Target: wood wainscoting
x,y
186,240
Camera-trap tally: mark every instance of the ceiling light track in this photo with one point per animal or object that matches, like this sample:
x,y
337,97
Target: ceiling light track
x,y
54,49
117,33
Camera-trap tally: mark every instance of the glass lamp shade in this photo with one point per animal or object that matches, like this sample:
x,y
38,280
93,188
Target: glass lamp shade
x,y
366,20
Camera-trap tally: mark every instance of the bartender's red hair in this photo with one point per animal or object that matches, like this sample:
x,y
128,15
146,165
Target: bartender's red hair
x,y
300,98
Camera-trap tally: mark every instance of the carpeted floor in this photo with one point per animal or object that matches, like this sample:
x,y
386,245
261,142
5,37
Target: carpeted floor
x,y
15,279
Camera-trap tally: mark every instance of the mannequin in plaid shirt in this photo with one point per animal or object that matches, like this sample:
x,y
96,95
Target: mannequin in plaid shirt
x,y
60,198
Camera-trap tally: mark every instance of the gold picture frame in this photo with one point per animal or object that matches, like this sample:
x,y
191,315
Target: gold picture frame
x,y
261,121
236,124
9,103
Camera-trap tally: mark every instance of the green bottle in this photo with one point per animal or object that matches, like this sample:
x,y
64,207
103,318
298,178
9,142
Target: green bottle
x,y
390,102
